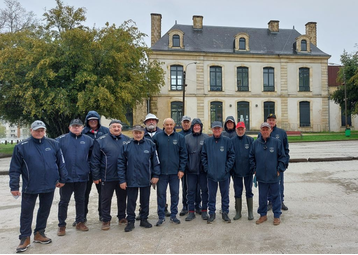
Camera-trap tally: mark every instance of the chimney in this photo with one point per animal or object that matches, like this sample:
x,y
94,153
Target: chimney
x,y
198,22
273,26
311,31
156,29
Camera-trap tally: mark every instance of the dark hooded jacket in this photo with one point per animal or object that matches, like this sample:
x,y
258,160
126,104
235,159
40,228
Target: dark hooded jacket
x,y
242,146
94,134
194,142
229,132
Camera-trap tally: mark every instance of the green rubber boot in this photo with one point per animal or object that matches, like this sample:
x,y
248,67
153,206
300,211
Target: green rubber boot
x,y
250,204
238,207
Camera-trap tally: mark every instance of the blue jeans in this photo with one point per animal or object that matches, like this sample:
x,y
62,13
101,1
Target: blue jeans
x,y
224,190
79,189
173,181
274,189
238,186
27,210
193,181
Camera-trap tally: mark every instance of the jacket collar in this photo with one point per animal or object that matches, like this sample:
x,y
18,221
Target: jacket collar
x,y
39,141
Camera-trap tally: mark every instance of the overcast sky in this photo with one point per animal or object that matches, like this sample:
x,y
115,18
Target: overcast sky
x,y
337,21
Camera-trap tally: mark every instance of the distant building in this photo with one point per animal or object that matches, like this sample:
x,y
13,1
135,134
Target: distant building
x,y
14,132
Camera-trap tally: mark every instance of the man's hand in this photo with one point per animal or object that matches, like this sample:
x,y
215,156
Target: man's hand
x,y
60,185
278,173
123,185
16,193
154,180
97,181
180,174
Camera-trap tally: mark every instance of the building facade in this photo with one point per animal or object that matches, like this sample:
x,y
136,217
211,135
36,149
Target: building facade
x,y
243,72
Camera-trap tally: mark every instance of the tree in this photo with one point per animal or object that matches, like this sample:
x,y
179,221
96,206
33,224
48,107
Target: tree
x,y
15,18
58,75
348,75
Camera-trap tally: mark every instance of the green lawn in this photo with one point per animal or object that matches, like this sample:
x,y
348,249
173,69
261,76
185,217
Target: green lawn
x,y
6,149
323,136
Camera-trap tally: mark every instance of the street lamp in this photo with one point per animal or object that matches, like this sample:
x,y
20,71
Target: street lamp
x,y
184,85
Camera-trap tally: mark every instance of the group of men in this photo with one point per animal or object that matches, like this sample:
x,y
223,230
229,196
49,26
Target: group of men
x,y
154,157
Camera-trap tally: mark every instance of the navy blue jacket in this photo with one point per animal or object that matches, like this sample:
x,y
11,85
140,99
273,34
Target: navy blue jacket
x,y
266,158
76,150
96,133
172,152
229,132
104,157
218,157
147,135
185,132
138,163
242,146
41,164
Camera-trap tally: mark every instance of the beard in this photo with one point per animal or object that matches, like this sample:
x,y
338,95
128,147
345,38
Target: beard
x,y
151,127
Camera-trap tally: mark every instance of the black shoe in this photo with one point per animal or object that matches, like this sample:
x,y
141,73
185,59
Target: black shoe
x,y
204,215
74,224
166,212
284,207
198,210
269,206
226,217
160,222
190,217
145,224
138,217
129,226
211,219
174,220
183,212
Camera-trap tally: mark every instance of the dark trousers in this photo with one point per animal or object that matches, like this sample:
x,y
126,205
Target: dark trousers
x,y
281,181
132,195
274,189
173,181
88,191
27,210
194,181
238,186
107,190
224,190
79,189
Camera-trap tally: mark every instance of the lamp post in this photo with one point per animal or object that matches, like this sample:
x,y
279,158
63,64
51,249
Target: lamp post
x,y
184,85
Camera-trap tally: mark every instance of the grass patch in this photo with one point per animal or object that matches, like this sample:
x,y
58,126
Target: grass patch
x,y
6,149
324,136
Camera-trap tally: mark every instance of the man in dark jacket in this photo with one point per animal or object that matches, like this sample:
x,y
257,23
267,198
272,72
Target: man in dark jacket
x,y
40,162
218,157
138,168
195,175
76,149
104,161
229,126
151,122
241,171
267,162
173,156
93,129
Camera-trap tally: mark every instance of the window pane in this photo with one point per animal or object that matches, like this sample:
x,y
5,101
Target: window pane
x,y
216,111
269,79
176,77
269,107
305,114
242,43
242,79
177,112
176,41
215,78
303,45
304,78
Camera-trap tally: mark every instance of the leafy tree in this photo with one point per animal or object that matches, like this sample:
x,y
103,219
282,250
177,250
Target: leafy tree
x,y
348,75
2,131
62,70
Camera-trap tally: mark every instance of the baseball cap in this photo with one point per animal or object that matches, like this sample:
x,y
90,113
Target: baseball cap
x,y
37,124
216,124
138,128
92,118
265,124
241,124
115,121
186,118
271,115
75,122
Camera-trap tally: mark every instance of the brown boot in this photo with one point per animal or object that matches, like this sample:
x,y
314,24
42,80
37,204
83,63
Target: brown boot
x,y
261,220
61,231
123,221
81,226
106,225
40,237
276,221
24,244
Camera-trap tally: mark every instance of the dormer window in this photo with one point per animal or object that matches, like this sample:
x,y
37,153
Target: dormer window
x,y
303,45
176,41
242,42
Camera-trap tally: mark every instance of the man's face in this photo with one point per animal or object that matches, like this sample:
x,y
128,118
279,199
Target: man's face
x,y
93,124
217,131
76,129
115,129
151,124
272,122
169,126
137,135
265,132
186,124
38,133
197,128
230,125
240,131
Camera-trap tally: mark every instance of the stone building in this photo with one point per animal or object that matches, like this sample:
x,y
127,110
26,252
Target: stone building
x,y
244,72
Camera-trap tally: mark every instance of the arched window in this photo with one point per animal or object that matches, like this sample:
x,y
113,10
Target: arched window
x,y
242,43
215,78
243,113
304,74
269,79
216,111
176,41
176,77
269,107
303,45
242,79
305,118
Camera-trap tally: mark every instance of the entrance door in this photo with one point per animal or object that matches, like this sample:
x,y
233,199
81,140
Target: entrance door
x,y
243,113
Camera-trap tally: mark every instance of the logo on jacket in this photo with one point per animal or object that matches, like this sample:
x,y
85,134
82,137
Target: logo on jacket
x,y
247,146
146,151
47,149
201,142
82,142
222,148
277,136
272,149
175,142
